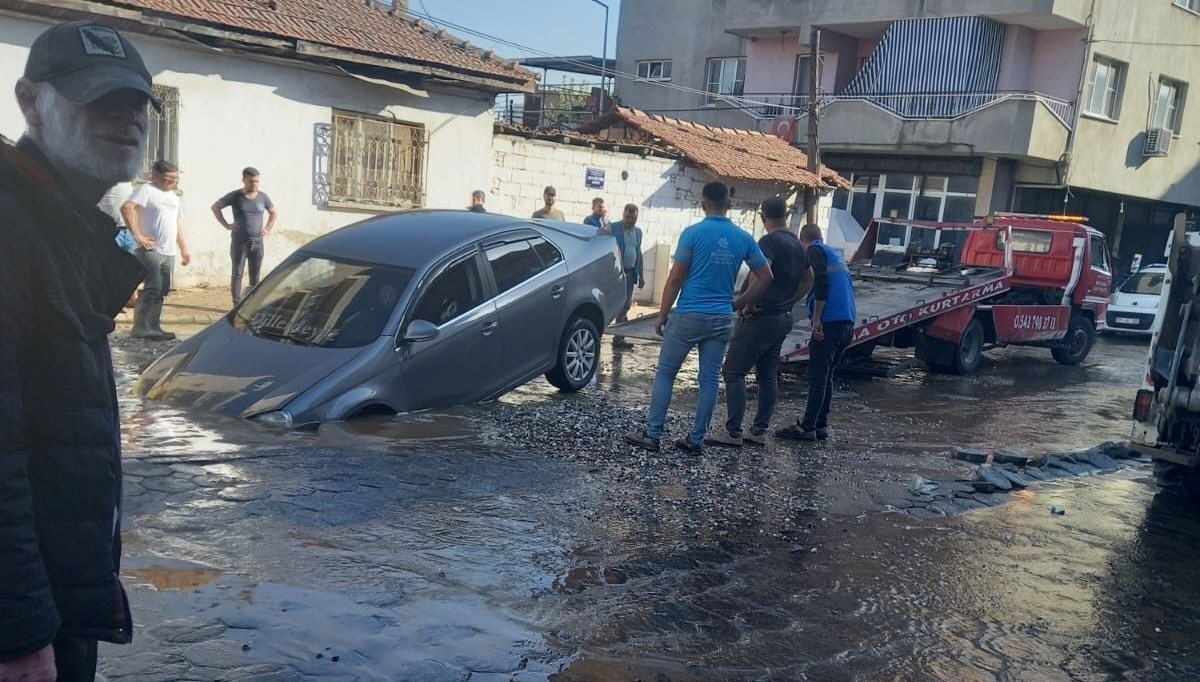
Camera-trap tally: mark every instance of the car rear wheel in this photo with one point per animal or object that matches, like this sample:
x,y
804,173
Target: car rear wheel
x,y
1081,336
578,356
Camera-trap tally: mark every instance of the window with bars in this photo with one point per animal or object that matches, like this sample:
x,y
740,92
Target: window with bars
x,y
162,143
377,163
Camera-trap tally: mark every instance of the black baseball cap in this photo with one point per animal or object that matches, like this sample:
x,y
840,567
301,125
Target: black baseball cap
x,y
86,60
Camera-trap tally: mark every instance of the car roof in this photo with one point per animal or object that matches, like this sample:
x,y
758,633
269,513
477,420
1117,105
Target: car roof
x,y
1156,266
411,238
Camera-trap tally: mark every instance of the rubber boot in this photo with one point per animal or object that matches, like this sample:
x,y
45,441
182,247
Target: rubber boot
x,y
141,321
154,321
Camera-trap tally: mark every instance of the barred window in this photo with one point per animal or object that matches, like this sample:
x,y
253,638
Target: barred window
x,y
377,163
162,142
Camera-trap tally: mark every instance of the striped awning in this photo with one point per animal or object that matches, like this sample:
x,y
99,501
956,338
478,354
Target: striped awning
x,y
933,68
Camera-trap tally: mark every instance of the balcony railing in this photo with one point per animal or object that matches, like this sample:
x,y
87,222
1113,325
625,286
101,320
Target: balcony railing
x,y
908,106
552,107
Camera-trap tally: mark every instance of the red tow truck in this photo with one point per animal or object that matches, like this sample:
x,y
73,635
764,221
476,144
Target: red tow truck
x,y
952,290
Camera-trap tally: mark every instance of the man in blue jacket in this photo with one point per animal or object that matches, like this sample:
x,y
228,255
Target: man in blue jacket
x,y
831,308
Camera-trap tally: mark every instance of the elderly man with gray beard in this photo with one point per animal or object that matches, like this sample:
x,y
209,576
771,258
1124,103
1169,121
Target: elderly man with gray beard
x,y
63,279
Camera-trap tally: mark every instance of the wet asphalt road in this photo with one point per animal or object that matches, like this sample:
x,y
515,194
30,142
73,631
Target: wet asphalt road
x,y
522,540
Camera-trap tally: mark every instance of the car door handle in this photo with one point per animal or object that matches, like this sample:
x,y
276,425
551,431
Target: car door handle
x,y
489,327
557,290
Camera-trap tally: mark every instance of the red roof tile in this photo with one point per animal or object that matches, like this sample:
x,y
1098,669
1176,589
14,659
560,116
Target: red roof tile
x,y
727,152
351,25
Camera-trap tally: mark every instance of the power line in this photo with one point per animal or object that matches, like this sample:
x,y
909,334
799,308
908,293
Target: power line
x,y
587,67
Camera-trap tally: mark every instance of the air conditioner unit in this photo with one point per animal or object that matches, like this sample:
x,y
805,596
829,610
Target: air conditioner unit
x,y
1158,142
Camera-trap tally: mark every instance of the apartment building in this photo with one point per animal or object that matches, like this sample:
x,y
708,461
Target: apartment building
x,y
950,109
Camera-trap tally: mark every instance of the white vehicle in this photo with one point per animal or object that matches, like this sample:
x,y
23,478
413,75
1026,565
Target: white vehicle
x,y
1134,305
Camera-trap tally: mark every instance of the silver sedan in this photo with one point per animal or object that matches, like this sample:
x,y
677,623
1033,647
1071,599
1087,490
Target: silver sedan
x,y
411,311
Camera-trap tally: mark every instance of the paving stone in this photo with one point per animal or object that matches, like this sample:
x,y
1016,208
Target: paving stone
x,y
1038,460
187,631
1035,474
190,469
243,493
995,477
1011,456
991,500
173,484
1017,480
969,454
969,503
132,489
430,671
898,503
1118,450
144,666
948,507
1103,461
206,481
925,513
225,654
1073,468
145,469
261,673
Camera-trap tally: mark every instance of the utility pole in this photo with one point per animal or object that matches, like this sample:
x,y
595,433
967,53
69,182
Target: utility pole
x,y
814,147
603,60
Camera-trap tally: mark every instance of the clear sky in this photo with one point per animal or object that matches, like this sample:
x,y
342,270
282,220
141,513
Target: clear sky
x,y
559,27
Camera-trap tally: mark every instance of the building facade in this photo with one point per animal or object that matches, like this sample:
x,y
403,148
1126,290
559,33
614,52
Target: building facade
x,y
339,131
950,110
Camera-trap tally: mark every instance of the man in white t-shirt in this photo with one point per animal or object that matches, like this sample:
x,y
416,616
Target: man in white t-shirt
x,y
152,215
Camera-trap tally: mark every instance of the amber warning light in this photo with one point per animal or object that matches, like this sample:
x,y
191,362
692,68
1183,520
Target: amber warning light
x,y
1142,405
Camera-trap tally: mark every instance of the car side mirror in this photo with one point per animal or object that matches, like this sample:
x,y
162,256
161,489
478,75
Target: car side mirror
x,y
420,330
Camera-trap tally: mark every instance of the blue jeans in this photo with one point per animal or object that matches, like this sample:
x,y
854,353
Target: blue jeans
x,y
683,333
756,345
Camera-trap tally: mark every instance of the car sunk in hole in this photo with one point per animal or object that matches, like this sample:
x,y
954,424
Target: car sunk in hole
x,y
404,312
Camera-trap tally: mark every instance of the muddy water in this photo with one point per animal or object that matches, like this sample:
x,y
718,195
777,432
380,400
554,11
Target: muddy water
x,y
673,574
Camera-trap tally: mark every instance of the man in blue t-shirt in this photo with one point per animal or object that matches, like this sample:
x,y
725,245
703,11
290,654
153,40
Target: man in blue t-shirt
x,y
254,217
707,261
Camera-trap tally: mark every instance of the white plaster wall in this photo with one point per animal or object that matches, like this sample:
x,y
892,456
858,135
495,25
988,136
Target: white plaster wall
x,y
666,191
237,111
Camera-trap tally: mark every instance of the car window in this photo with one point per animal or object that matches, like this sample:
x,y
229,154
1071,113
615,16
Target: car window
x,y
315,301
1099,254
512,263
548,252
1027,241
455,291
1145,283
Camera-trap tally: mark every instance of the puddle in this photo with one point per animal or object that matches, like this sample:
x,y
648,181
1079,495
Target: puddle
x,y
163,578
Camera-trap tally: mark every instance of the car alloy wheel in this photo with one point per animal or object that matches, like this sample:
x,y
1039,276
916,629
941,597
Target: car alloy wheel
x,y
581,355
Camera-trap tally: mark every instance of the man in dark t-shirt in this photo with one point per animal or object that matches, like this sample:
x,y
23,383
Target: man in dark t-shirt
x,y
762,328
254,217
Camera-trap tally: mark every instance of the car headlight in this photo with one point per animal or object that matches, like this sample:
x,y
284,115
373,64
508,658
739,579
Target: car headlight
x,y
280,419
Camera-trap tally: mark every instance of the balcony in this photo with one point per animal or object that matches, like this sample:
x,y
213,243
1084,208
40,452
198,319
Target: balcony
x,y
767,18
1026,125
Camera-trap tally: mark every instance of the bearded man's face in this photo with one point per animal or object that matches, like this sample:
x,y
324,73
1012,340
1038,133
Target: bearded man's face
x,y
104,140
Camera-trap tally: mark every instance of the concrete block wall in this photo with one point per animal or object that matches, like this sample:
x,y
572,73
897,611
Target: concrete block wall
x,y
667,191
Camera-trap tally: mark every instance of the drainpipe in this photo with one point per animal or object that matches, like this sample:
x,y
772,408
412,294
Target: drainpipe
x,y
1066,161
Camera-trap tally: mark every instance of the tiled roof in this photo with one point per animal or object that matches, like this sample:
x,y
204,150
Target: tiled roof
x,y
354,25
727,152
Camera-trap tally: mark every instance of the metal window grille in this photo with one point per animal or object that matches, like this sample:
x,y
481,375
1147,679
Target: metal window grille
x,y
377,162
162,141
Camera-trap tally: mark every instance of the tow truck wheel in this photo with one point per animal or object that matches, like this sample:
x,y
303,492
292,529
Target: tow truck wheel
x,y
1081,336
1176,479
969,352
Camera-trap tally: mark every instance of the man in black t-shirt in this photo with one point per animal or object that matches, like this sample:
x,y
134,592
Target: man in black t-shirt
x,y
762,328
254,217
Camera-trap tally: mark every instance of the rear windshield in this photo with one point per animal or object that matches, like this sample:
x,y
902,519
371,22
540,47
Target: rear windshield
x,y
1027,241
1148,283
314,301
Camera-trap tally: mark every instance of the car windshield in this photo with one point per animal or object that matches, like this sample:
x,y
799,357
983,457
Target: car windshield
x,y
317,301
1147,283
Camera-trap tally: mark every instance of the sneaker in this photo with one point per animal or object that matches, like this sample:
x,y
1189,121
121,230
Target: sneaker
x,y
755,438
643,440
823,434
724,438
622,344
685,444
794,432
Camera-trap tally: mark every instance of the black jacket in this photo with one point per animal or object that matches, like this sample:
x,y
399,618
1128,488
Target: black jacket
x,y
63,280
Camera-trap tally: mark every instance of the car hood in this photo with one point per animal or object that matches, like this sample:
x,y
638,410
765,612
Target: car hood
x,y
1146,303
227,371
